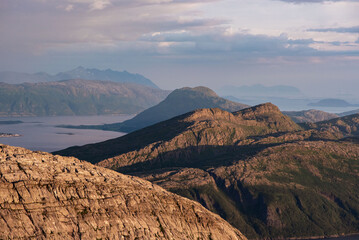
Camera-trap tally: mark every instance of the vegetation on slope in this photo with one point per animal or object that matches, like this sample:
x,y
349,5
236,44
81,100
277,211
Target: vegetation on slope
x,y
259,170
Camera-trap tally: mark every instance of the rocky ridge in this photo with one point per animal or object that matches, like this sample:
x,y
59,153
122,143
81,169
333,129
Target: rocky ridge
x,y
199,129
52,197
311,115
255,167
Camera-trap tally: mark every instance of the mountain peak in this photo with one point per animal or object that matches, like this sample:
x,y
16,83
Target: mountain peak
x,y
265,108
180,101
193,91
80,68
208,114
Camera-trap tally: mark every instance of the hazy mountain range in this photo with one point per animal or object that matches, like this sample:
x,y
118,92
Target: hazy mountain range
x,y
76,97
77,73
332,102
177,102
263,173
259,90
349,113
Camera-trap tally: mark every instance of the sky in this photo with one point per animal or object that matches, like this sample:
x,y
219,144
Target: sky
x,y
310,44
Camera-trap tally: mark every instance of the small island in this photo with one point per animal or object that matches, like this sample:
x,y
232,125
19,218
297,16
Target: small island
x,y
9,135
332,102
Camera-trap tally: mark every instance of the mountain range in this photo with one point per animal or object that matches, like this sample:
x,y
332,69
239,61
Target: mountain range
x,y
348,113
51,197
311,115
256,168
259,90
77,73
178,102
76,97
332,102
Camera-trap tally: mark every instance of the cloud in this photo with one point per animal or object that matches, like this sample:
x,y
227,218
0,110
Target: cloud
x,y
99,4
38,26
162,29
69,8
220,44
314,1
354,29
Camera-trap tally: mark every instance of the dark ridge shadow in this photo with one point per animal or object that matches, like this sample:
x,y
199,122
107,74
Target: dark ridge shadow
x,y
97,152
202,157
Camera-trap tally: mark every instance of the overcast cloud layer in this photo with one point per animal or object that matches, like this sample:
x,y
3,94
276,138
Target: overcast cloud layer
x,y
181,42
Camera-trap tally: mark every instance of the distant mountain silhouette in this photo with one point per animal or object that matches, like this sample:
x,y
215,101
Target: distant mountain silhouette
x,y
348,113
17,77
259,90
77,73
105,75
178,102
76,97
332,102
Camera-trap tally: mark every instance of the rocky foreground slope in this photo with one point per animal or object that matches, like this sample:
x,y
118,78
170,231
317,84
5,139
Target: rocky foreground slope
x,y
256,168
43,196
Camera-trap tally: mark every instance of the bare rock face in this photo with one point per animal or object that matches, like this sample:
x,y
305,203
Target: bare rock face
x,y
311,116
44,196
197,129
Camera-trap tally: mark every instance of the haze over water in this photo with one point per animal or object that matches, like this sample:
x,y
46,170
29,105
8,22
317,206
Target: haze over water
x,y
40,133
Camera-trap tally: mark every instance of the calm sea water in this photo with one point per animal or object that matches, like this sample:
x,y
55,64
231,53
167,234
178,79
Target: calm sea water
x,y
353,237
40,133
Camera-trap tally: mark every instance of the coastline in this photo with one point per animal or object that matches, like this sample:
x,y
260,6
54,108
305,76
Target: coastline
x,y
6,135
349,236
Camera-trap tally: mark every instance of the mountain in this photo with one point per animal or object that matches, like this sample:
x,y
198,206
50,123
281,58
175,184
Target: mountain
x,y
76,97
332,102
311,115
260,171
104,75
293,190
178,102
203,127
233,99
51,197
348,113
348,126
17,78
259,90
77,73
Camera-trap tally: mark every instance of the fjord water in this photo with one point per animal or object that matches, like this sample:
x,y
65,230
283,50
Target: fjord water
x,y
41,133
352,237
